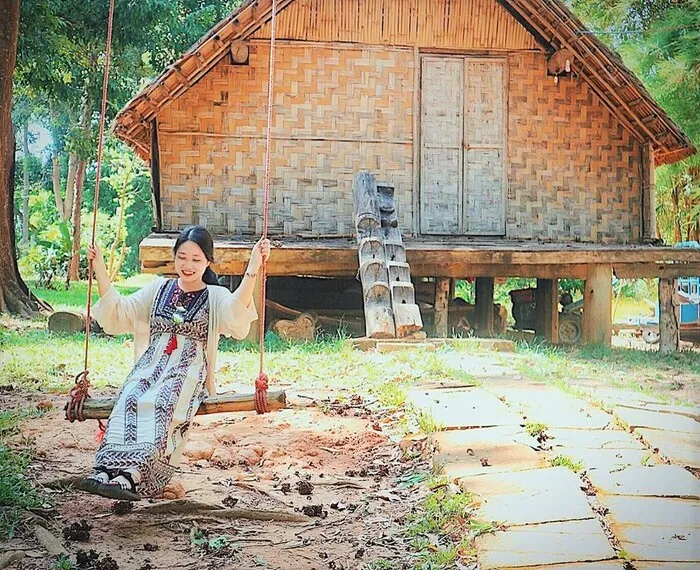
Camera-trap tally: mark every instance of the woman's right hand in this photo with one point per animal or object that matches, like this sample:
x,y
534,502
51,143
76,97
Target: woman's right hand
x,y
94,255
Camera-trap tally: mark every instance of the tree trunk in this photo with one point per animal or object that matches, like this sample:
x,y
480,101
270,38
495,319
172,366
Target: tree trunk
x,y
25,187
14,296
56,179
73,273
675,199
70,186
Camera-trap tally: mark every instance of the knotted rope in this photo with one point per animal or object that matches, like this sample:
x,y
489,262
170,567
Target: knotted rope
x,y
79,393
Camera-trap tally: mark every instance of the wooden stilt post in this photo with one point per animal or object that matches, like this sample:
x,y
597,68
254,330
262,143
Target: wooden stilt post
x,y
442,300
597,305
547,296
669,316
484,305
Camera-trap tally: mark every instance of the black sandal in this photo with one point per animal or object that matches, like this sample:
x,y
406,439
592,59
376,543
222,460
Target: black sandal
x,y
111,490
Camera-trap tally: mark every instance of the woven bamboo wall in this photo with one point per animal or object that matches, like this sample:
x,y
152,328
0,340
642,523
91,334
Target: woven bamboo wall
x,y
460,24
336,111
573,169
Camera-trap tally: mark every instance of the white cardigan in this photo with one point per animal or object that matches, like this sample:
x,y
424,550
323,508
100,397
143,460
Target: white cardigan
x,y
228,316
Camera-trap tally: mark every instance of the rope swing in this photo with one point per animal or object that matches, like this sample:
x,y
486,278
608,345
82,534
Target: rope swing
x,y
79,393
261,383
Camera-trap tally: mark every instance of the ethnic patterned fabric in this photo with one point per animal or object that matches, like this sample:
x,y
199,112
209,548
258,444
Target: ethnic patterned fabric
x,y
147,429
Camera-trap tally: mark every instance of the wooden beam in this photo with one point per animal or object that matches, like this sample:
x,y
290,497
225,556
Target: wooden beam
x,y
336,257
648,178
442,301
652,270
597,305
484,306
547,296
669,316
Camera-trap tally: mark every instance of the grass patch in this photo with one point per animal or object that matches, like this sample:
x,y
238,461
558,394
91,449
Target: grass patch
x,y
379,564
16,493
442,530
75,297
566,461
647,372
536,429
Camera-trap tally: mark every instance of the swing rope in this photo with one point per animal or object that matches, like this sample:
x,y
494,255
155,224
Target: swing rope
x,y
261,383
79,393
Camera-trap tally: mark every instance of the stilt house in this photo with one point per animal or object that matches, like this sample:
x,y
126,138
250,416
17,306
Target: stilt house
x,y
515,141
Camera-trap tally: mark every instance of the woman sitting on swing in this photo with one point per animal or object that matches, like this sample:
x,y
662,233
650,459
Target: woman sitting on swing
x,y
176,325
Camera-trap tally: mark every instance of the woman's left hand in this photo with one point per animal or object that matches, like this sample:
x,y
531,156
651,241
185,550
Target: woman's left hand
x,y
261,252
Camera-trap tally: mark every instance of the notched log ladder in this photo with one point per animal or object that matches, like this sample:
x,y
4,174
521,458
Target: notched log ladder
x,y
388,294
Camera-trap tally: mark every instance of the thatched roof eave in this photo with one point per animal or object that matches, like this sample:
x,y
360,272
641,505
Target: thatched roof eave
x,y
551,22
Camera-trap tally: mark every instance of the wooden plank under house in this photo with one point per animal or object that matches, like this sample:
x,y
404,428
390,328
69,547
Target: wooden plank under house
x,y
517,145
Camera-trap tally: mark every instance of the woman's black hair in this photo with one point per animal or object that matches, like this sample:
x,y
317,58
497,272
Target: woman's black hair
x,y
201,236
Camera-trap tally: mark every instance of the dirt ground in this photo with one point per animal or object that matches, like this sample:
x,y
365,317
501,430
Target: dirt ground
x,y
242,461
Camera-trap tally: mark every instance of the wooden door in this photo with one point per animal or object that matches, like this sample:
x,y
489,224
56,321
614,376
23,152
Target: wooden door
x,y
484,147
441,145
462,170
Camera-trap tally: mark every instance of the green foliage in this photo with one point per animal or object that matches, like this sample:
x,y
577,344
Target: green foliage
x,y
63,562
565,461
536,429
442,529
660,41
16,493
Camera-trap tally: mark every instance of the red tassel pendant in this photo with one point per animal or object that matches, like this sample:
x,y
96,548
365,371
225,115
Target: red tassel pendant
x,y
172,345
102,428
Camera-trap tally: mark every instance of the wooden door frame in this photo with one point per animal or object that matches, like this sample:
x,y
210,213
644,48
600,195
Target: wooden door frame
x,y
423,57
419,56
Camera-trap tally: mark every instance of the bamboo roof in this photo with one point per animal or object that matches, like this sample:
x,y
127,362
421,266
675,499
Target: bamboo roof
x,y
553,25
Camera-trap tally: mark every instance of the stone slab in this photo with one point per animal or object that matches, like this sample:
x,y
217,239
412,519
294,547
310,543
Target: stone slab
x,y
664,544
607,458
525,509
691,412
460,453
593,439
550,543
610,395
656,481
635,418
652,511
603,565
531,482
680,448
529,497
465,408
554,408
667,566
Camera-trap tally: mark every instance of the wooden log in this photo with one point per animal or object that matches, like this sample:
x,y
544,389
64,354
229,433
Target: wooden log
x,y
440,316
303,328
364,190
669,316
100,408
547,298
484,305
67,321
597,305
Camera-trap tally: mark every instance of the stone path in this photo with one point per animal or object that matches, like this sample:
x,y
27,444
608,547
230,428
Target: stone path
x,y
632,498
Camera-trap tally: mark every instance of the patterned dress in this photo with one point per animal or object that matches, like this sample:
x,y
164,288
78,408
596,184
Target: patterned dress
x,y
147,429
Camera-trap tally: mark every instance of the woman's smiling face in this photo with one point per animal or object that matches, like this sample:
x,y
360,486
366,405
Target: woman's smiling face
x,y
190,262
